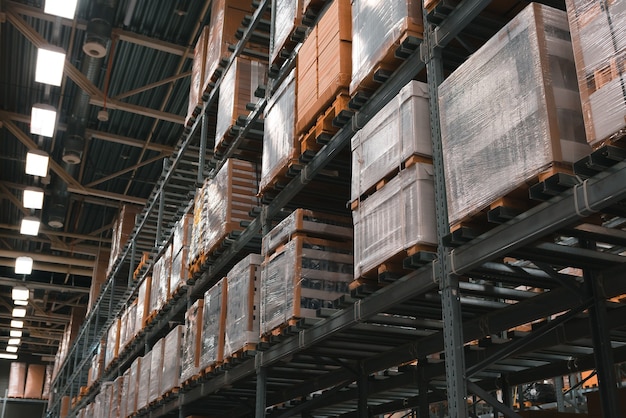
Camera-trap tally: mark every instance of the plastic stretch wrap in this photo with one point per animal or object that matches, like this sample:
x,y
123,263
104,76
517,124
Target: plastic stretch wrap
x,y
310,222
116,397
133,385
143,303
242,319
34,381
599,39
192,341
160,280
286,14
222,204
143,384
279,144
97,364
112,344
97,405
17,380
307,274
399,130
236,91
89,410
172,351
124,394
213,318
509,111
377,28
197,72
179,272
122,228
156,371
182,234
127,325
47,383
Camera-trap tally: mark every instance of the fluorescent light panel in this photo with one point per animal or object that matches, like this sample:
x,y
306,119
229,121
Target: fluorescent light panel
x,y
19,312
30,226
23,265
50,63
14,341
20,292
37,163
15,333
17,324
21,302
33,198
61,8
43,120
10,349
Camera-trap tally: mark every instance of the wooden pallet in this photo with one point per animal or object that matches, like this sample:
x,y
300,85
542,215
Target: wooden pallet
x,y
279,330
196,264
246,351
209,370
280,175
325,125
412,160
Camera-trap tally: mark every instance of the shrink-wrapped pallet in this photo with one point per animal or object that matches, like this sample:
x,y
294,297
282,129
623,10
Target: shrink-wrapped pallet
x,y
125,386
236,91
304,275
398,131
286,15
127,325
179,272
47,383
17,380
112,343
510,111
116,397
222,204
122,229
159,290
213,320
398,216
97,364
324,64
182,234
192,341
143,303
172,350
99,277
598,30
279,142
311,223
34,381
143,385
134,385
156,371
377,30
65,406
196,84
242,316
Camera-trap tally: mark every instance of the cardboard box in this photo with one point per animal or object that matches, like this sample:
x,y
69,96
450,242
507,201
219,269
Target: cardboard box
x,y
198,69
99,277
213,323
192,341
286,16
156,371
112,343
17,380
34,381
172,350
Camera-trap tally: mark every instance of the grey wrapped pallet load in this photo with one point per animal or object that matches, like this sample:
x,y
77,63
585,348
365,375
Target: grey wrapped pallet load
x,y
143,384
156,371
192,341
399,130
598,30
172,350
510,111
213,318
398,216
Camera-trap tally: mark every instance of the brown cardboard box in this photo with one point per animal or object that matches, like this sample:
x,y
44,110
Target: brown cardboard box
x,y
197,72
65,406
99,277
17,379
34,381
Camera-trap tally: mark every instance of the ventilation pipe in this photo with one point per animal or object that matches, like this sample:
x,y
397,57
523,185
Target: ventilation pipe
x,y
99,29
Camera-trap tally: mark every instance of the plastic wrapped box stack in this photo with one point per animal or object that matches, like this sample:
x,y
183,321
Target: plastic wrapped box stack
x,y
378,28
242,316
160,281
221,205
303,274
192,341
99,277
180,254
286,17
280,145
112,344
97,364
47,383
128,322
324,64
598,30
125,385
116,397
213,321
34,381
122,228
236,91
397,132
133,386
143,384
172,350
143,303
510,111
156,371
196,85
17,380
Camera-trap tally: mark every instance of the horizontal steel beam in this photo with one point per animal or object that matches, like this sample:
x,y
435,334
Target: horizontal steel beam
x,y
52,232
52,268
31,284
78,262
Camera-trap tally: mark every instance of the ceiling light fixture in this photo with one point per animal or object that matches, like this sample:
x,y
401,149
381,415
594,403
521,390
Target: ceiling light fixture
x,y
37,163
33,198
23,265
15,333
43,120
30,226
20,292
21,302
61,8
50,64
17,324
14,341
19,312
10,349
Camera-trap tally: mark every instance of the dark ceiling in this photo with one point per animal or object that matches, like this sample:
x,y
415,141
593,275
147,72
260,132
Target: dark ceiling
x,y
144,79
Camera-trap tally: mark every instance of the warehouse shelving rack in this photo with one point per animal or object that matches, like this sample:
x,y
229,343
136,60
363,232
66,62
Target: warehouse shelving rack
x,y
374,339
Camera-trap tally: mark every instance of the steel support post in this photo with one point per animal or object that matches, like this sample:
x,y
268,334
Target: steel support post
x,y
560,397
362,382
422,386
131,268
491,400
507,393
261,391
448,283
601,341
204,133
159,231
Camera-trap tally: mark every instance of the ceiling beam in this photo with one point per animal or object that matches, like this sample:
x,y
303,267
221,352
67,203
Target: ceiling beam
x,y
126,170
90,250
76,262
56,319
152,85
30,284
94,134
98,100
81,237
51,268
123,35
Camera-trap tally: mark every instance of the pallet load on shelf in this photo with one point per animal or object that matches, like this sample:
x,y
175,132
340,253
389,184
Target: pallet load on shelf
x,y
196,84
65,406
213,321
77,317
124,394
17,380
180,254
221,205
102,403
378,28
391,138
128,322
236,90
143,303
598,29
34,381
47,383
134,386
280,146
122,228
99,277
156,371
116,397
242,317
172,352
510,113
303,272
192,341
323,73
160,282
97,365
112,344
286,28
143,384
